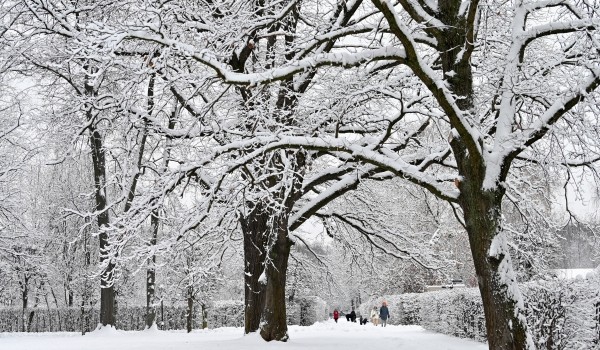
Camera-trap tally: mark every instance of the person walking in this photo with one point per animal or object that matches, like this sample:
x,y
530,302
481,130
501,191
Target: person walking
x,y
384,313
336,315
375,316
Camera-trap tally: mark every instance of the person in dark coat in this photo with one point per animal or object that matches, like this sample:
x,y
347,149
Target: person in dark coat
x,y
336,315
353,315
384,313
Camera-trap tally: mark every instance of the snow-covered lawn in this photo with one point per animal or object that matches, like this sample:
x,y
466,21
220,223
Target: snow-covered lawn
x,y
327,335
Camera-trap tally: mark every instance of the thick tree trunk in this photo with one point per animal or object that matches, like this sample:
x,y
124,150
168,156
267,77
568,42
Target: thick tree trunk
x,y
107,304
505,322
255,230
506,325
274,320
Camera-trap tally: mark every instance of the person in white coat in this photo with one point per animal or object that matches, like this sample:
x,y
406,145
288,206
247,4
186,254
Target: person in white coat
x,y
375,316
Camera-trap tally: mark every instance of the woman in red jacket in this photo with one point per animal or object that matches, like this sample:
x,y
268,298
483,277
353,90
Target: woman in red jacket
x,y
336,315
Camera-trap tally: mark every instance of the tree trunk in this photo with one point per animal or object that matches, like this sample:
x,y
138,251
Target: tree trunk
x,y
25,301
86,264
107,293
255,230
190,311
502,303
204,316
274,320
151,275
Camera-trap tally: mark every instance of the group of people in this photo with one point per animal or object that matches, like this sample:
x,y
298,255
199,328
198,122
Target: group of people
x,y
376,316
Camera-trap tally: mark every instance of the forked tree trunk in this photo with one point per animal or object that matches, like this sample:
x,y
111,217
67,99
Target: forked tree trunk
x,y
255,230
274,320
506,325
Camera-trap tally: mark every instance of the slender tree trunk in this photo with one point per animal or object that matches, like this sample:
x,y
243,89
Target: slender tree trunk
x,y
204,316
86,264
190,310
25,302
274,320
151,275
69,291
107,290
154,219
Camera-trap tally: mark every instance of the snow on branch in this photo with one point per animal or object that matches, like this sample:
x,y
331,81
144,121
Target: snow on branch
x,y
207,58
430,79
389,161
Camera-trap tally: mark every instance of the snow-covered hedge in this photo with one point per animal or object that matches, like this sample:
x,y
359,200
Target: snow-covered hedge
x,y
46,320
562,314
306,311
219,314
404,308
458,312
224,313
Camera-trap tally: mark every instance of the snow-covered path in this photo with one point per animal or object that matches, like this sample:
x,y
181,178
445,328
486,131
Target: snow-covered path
x,y
321,336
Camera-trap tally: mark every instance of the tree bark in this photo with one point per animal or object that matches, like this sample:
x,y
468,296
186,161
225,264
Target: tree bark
x,y
25,301
204,316
190,310
274,319
502,304
505,322
151,275
255,231
154,219
107,292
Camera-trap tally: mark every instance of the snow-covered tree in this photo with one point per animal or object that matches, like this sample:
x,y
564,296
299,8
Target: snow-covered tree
x,y
288,105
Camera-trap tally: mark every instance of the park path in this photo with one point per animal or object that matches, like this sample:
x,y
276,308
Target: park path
x,y
324,335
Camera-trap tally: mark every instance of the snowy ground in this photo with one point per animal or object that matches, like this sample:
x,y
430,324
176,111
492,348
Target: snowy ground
x,y
327,335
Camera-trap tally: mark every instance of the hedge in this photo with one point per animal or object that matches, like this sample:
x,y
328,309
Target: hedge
x,y
224,313
562,314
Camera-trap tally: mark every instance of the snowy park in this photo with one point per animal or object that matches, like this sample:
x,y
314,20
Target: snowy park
x,y
245,174
321,336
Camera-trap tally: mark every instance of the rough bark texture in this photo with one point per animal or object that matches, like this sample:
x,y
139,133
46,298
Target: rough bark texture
x,y
255,230
263,227
274,320
266,232
505,323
